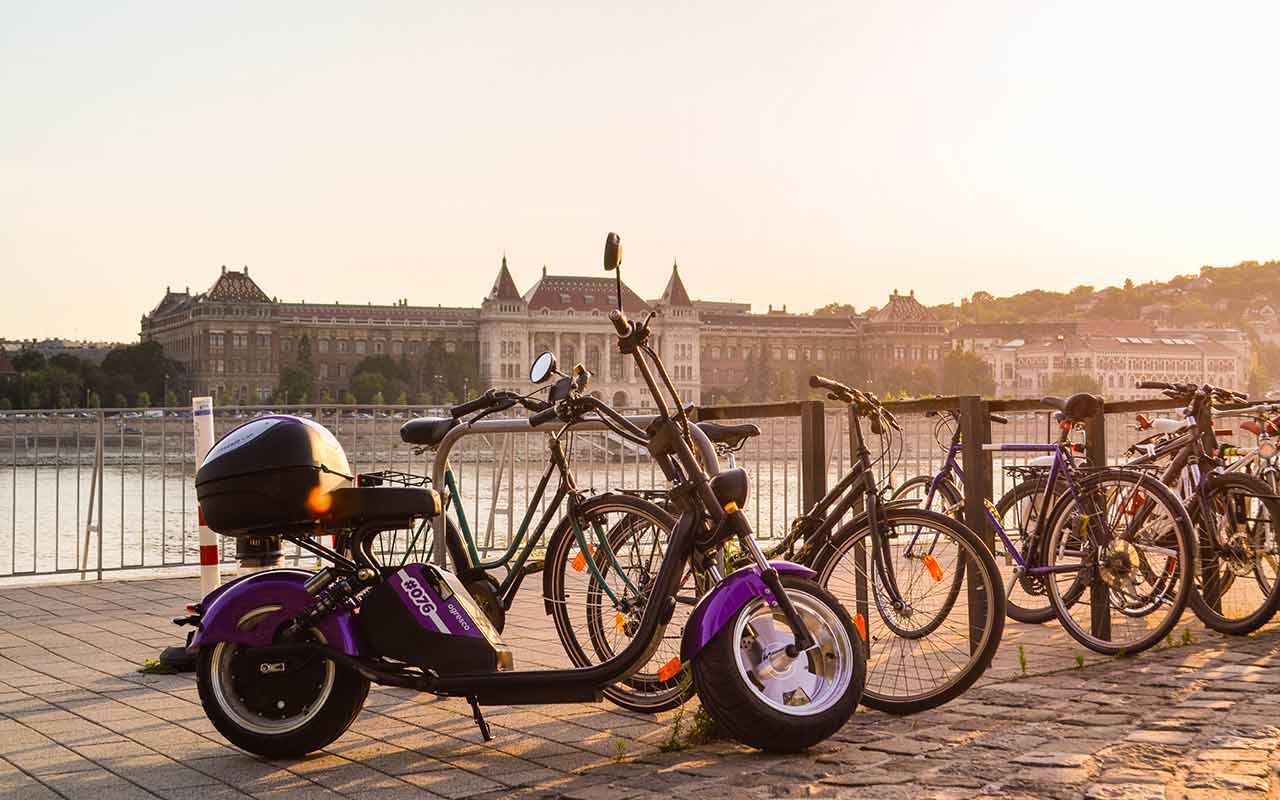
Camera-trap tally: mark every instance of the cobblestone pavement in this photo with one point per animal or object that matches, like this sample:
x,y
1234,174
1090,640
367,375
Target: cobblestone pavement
x,y
1197,720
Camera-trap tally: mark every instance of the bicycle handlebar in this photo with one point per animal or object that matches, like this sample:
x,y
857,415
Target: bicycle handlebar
x,y
620,323
483,401
544,416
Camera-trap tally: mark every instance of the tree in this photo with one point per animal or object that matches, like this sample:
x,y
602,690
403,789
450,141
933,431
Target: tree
x,y
144,399
296,382
907,382
835,310
1069,383
29,361
366,386
967,373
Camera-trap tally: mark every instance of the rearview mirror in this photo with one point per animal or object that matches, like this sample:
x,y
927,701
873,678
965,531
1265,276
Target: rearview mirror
x,y
612,252
543,366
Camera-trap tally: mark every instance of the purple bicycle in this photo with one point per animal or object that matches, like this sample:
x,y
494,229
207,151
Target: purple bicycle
x,y
1107,551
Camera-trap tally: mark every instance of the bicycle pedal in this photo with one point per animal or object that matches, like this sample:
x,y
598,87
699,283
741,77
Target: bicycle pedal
x,y
479,718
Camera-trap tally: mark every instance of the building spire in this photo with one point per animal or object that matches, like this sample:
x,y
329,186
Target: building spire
x,y
504,286
675,293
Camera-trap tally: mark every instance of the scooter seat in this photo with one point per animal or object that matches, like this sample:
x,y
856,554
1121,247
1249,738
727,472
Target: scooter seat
x,y
358,505
731,436
428,431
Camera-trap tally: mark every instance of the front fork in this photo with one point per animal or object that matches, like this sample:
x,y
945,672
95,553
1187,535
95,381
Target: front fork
x,y
803,639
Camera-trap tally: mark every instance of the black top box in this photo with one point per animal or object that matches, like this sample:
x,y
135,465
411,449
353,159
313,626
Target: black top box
x,y
270,473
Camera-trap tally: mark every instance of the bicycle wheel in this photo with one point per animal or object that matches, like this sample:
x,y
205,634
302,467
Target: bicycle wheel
x,y
596,615
953,640
1237,584
1122,551
916,491
1027,595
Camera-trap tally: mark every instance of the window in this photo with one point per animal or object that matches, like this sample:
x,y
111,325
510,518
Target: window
x,y
775,353
286,345
379,346
791,354
344,346
323,345
450,347
324,370
397,348
820,353
361,346
715,353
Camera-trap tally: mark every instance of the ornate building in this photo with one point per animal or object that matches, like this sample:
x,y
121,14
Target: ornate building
x,y
569,315
235,339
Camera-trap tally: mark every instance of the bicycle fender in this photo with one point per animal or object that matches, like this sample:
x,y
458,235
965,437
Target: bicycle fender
x,y
721,604
280,590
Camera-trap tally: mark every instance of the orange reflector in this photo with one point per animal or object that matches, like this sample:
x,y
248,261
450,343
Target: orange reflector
x,y
935,569
319,501
191,609
580,560
861,625
1138,500
669,670
620,622
731,507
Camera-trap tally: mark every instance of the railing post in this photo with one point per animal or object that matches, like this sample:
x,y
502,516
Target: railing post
x,y
861,595
1095,453
975,431
1095,440
813,455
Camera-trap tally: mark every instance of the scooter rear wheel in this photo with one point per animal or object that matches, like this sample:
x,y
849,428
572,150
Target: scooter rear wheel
x,y
278,707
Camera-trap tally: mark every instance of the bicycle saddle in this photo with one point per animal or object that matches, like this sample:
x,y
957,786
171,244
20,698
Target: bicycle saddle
x,y
429,431
365,504
731,436
1076,408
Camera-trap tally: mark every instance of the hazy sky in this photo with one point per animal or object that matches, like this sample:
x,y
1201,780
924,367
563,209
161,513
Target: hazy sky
x,y
791,153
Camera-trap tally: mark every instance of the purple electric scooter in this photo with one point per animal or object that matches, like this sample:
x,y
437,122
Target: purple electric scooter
x,y
286,657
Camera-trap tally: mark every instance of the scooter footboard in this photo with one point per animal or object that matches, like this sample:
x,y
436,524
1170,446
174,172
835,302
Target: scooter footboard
x,y
251,610
719,606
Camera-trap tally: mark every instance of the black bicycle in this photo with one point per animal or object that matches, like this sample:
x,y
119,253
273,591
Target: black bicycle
x,y
939,606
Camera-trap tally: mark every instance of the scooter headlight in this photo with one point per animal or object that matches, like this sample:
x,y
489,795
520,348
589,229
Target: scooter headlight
x,y
1266,449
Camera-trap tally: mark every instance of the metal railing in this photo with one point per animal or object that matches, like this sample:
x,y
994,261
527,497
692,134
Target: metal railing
x,y
92,493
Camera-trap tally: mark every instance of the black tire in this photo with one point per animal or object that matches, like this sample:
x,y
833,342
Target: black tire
x,y
740,708
917,489
1245,580
838,569
580,608
233,715
1161,555
1027,597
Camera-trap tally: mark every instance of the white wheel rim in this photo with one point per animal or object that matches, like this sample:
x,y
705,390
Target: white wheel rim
x,y
233,705
809,684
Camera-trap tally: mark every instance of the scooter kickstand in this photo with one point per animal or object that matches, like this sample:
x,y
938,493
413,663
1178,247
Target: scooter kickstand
x,y
479,718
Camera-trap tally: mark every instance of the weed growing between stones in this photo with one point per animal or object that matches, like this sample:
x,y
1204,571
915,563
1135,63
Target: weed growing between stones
x,y
1022,659
1079,662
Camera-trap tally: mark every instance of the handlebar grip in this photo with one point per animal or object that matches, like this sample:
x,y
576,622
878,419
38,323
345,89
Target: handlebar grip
x,y
543,417
483,401
620,323
819,382
996,418
1153,385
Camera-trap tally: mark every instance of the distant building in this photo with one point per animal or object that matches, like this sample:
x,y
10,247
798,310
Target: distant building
x,y
6,367
93,352
234,338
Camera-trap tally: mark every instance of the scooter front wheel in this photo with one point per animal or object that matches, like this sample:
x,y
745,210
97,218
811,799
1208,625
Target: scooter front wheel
x,y
766,699
277,707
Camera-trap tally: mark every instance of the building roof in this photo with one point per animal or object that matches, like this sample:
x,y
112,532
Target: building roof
x,y
1165,346
236,287
675,294
780,321
504,286
579,293
904,308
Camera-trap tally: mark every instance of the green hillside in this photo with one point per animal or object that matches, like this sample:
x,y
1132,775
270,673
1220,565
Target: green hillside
x,y
1216,296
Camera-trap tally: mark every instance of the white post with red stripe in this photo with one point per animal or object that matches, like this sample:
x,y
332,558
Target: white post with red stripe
x,y
202,418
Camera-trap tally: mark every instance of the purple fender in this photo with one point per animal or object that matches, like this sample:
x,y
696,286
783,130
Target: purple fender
x,y
720,605
227,605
